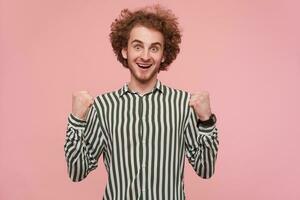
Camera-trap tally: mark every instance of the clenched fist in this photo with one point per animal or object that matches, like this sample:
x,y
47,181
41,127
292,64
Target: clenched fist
x,y
201,104
81,103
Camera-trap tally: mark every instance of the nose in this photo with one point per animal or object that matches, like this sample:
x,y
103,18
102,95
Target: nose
x,y
145,55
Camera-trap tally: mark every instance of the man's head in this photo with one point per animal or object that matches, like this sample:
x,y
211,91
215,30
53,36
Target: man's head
x,y
154,18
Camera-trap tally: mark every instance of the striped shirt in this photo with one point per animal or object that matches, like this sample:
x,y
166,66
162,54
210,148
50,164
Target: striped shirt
x,y
144,140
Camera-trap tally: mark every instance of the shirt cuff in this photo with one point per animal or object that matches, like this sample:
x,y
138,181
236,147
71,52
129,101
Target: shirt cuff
x,y
208,125
76,122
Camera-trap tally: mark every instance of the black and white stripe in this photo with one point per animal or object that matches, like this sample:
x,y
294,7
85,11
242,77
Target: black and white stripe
x,y
144,141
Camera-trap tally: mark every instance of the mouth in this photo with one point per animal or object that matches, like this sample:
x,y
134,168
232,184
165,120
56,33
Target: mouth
x,y
144,66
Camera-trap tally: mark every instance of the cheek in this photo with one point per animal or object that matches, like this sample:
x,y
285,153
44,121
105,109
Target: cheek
x,y
158,58
133,55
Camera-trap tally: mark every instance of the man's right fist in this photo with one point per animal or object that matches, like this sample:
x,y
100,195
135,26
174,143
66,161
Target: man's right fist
x,y
81,103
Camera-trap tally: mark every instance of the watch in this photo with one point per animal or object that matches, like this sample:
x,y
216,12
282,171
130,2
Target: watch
x,y
207,123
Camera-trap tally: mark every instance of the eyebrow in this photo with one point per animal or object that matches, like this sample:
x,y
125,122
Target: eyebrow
x,y
155,43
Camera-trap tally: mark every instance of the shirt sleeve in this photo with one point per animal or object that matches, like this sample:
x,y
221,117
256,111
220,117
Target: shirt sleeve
x,y
201,145
83,145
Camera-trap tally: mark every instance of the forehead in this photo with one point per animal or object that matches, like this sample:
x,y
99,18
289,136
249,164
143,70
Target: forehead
x,y
145,35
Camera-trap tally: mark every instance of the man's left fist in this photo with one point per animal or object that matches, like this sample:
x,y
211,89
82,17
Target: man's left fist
x,y
201,104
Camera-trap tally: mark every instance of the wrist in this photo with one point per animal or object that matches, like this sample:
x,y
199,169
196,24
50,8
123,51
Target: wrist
x,y
207,121
204,118
78,117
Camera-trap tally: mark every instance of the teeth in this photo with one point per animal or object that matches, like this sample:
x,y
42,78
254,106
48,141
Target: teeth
x,y
144,65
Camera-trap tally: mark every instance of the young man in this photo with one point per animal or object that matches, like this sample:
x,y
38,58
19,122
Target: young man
x,y
145,129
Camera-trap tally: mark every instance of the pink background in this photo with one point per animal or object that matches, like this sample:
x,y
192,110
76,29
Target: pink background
x,y
245,53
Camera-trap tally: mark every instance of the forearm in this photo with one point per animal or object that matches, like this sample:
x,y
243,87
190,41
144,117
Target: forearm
x,y
79,162
207,151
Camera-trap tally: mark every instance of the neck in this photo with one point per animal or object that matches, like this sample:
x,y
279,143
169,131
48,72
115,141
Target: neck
x,y
140,87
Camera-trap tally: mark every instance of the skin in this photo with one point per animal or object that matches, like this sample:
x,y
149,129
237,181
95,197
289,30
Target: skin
x,y
81,103
201,104
144,54
145,47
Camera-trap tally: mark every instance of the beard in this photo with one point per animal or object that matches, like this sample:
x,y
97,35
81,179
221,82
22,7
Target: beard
x,y
144,77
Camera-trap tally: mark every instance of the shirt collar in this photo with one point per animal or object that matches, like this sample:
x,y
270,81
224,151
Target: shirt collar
x,y
125,89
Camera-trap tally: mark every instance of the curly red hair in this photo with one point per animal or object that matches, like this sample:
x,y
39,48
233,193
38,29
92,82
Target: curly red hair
x,y
156,17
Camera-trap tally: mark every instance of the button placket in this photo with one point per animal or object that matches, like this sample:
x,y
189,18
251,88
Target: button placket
x,y
144,145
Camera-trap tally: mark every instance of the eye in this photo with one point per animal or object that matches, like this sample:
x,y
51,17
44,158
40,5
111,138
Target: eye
x,y
137,47
154,49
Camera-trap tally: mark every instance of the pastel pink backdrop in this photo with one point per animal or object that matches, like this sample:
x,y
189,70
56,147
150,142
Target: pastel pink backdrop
x,y
245,53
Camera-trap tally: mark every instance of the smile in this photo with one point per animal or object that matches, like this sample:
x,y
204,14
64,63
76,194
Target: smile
x,y
144,66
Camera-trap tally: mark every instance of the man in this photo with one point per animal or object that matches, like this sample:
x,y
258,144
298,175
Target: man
x,y
145,129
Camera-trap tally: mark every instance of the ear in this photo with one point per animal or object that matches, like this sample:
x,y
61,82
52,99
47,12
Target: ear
x,y
163,59
124,53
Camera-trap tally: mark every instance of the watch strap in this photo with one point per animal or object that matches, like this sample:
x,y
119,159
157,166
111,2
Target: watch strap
x,y
207,123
